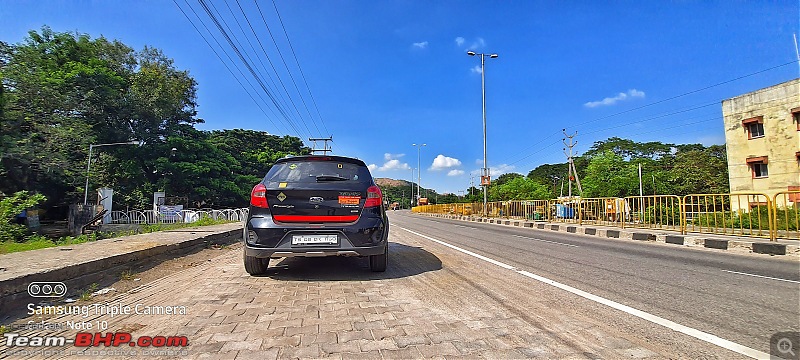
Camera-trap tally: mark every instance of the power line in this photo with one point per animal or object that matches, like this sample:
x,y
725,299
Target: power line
x,y
246,55
247,65
238,23
660,101
298,65
637,134
284,63
224,63
638,121
272,65
686,93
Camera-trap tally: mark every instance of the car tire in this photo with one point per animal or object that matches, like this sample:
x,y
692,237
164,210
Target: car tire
x,y
255,266
377,263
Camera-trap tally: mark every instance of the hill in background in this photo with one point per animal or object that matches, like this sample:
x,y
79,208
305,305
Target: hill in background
x,y
386,182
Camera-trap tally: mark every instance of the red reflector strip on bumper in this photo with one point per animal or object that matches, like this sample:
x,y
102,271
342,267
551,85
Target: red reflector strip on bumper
x,y
314,218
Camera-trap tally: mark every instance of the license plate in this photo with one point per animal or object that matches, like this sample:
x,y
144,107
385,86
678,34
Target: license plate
x,y
314,239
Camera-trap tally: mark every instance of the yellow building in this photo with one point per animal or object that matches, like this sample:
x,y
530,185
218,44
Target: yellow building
x,y
763,145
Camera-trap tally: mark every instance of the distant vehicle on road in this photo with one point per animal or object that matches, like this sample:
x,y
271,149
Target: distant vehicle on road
x,y
423,201
315,206
395,205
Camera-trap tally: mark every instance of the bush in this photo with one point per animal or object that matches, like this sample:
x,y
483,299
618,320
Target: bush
x,y
9,208
662,214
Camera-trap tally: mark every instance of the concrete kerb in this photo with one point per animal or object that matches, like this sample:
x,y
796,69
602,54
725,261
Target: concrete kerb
x,y
101,261
651,235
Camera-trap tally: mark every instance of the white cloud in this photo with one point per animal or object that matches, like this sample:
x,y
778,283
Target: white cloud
x,y
388,156
477,44
476,69
391,162
473,45
420,45
442,162
500,170
632,93
394,164
455,172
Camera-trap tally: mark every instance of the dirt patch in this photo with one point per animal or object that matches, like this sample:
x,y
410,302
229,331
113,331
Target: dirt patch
x,y
144,274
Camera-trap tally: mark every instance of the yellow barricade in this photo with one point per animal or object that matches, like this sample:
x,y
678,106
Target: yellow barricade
x,y
652,212
565,210
786,220
744,214
600,211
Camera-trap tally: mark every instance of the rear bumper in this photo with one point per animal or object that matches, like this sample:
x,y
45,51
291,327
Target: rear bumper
x,y
313,251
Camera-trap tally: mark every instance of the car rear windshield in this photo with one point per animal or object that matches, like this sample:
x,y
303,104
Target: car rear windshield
x,y
318,171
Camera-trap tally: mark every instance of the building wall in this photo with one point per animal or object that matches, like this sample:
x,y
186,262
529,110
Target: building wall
x,y
780,143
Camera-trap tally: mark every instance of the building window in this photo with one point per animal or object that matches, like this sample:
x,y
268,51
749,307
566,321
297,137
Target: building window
x,y
796,117
754,127
755,130
759,170
759,166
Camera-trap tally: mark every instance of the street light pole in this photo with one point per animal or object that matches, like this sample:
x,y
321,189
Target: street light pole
x,y
485,170
419,169
411,203
89,163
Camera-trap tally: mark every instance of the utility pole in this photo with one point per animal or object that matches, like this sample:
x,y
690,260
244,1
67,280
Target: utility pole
x,y
411,204
571,164
471,183
325,147
640,180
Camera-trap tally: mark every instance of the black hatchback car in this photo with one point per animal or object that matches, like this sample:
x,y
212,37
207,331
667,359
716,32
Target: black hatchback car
x,y
314,206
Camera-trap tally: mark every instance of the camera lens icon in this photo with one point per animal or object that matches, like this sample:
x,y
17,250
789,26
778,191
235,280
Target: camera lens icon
x,y
47,289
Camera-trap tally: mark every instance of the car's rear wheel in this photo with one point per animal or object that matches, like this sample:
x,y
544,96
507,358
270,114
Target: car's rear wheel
x,y
377,263
255,266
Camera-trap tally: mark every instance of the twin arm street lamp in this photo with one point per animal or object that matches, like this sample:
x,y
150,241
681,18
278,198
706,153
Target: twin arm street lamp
x,y
485,171
419,169
89,163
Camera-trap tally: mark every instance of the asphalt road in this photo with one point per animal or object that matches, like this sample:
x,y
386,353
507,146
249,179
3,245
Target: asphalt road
x,y
706,290
460,290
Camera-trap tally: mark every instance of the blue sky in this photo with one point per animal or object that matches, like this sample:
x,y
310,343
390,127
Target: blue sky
x,y
386,74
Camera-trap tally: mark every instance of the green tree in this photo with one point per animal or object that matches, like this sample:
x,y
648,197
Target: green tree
x,y
61,92
518,188
700,172
608,174
10,207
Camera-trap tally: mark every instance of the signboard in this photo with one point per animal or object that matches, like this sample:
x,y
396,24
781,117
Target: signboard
x,y
485,180
33,219
170,213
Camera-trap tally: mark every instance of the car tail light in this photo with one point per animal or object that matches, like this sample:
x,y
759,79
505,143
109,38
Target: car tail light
x,y
258,197
374,197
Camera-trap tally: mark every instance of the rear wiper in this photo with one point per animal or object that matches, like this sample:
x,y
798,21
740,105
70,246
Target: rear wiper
x,y
331,178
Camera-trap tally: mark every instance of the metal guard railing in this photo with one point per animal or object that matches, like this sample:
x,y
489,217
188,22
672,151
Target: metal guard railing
x,y
739,214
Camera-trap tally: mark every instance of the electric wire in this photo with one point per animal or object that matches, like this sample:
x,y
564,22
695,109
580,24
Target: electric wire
x,y
280,54
248,66
302,74
246,90
272,65
253,50
659,102
241,47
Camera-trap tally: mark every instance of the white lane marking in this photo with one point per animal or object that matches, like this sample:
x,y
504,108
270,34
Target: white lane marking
x,y
466,227
509,267
697,334
761,276
547,241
